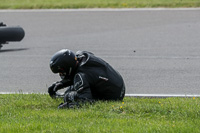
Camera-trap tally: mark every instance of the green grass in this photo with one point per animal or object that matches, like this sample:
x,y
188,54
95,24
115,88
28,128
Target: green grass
x,y
46,4
39,113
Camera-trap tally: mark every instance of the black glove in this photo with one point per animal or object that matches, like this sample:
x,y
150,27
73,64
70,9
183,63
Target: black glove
x,y
70,96
51,90
54,88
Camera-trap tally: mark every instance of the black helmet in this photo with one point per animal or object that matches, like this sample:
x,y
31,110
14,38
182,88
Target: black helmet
x,y
63,61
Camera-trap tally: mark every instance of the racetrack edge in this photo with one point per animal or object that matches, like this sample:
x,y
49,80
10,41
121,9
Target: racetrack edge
x,y
126,95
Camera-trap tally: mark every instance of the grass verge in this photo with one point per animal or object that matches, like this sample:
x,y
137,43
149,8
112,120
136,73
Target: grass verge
x,y
46,4
39,113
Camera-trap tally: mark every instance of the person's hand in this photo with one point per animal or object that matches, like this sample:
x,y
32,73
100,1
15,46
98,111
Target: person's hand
x,y
70,96
51,91
54,88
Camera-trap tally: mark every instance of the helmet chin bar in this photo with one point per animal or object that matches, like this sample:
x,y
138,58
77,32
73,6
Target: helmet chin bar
x,y
62,76
70,71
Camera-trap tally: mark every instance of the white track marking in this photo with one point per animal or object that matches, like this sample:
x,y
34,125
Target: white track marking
x,y
127,95
161,95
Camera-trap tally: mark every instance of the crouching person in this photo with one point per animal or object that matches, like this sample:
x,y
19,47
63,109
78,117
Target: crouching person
x,y
87,77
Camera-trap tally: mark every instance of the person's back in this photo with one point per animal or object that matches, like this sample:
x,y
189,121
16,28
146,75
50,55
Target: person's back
x,y
105,82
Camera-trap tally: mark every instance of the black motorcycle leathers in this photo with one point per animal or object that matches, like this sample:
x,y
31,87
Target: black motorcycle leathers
x,y
94,79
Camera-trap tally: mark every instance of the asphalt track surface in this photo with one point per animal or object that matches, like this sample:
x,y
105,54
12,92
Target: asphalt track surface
x,y
157,51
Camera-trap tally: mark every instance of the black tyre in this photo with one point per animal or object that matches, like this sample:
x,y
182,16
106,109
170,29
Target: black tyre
x,y
8,34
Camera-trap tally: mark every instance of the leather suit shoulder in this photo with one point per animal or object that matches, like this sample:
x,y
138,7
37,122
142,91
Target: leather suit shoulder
x,y
83,57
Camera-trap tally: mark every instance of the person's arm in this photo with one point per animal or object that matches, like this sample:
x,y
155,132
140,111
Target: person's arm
x,y
80,92
80,87
57,86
